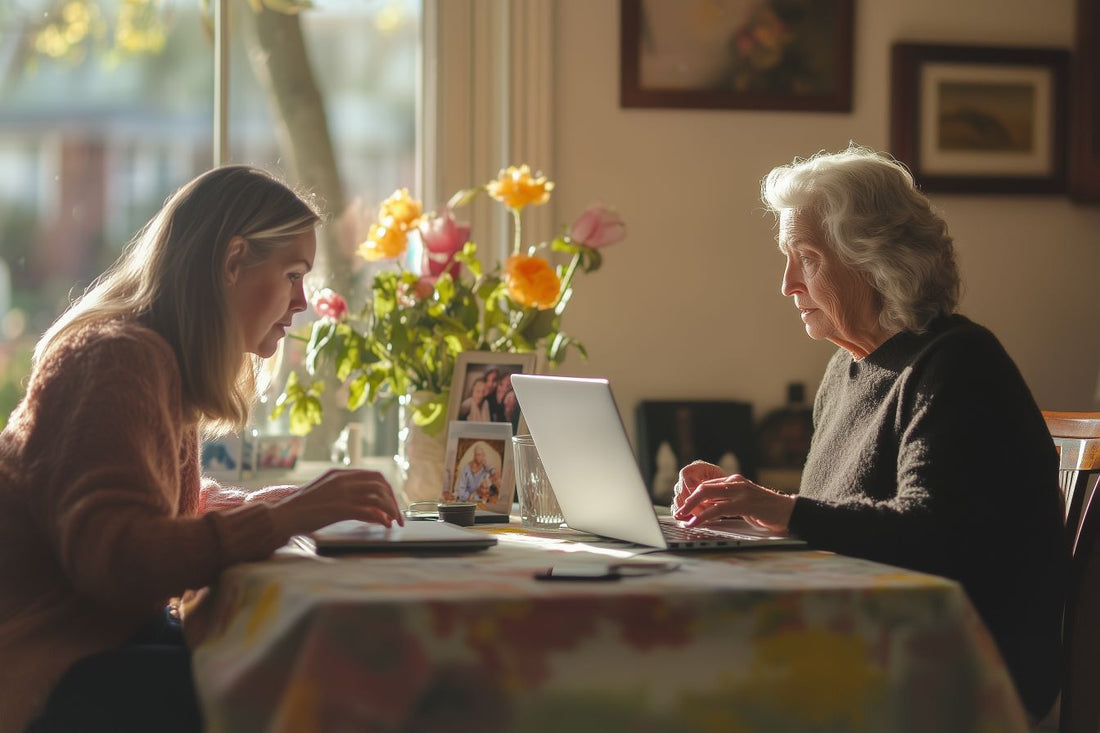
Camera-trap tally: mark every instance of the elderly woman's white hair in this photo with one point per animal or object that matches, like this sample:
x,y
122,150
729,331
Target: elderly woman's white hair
x,y
878,223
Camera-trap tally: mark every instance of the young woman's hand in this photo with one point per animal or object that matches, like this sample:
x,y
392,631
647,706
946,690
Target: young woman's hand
x,y
338,494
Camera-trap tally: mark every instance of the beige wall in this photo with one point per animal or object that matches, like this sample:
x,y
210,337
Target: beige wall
x,y
689,305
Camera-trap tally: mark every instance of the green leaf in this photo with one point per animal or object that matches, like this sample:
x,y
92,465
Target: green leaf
x,y
542,324
357,392
468,257
464,197
305,414
555,352
591,259
427,414
561,244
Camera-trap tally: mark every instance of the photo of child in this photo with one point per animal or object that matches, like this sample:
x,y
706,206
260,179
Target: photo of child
x,y
479,465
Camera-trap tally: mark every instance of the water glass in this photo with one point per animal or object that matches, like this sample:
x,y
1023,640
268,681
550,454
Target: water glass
x,y
538,507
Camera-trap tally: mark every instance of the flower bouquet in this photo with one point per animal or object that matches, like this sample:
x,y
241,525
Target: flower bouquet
x,y
406,338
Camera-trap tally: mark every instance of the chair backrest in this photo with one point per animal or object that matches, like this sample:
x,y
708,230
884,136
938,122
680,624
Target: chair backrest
x,y
1077,437
1080,709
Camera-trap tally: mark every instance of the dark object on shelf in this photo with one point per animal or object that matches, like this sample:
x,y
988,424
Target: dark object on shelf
x,y
679,432
784,434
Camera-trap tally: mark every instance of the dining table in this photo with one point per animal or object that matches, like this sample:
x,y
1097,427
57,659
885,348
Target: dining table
x,y
747,640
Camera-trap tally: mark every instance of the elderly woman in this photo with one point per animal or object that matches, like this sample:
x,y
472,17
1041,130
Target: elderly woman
x,y
928,450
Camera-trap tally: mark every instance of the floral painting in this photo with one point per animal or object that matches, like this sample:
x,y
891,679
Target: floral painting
x,y
747,54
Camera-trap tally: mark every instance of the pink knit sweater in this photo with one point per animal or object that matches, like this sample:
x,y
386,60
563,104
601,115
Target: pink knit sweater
x,y
100,509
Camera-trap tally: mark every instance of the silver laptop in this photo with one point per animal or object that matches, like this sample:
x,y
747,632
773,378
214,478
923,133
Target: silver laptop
x,y
355,536
591,466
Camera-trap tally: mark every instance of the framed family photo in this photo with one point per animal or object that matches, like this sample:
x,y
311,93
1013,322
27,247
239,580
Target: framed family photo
x,y
273,452
481,389
737,54
479,465
977,119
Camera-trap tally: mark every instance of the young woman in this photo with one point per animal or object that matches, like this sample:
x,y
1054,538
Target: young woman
x,y
103,514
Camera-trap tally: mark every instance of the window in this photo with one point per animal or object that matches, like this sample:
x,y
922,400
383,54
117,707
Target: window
x,y
106,107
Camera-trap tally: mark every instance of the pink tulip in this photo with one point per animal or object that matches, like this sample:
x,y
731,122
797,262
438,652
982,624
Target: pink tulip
x,y
443,237
597,227
330,304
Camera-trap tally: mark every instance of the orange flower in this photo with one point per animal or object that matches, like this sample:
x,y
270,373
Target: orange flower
x,y
516,187
384,242
531,281
401,210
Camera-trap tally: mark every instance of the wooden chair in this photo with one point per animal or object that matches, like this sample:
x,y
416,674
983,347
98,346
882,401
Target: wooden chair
x,y
1077,437
1080,710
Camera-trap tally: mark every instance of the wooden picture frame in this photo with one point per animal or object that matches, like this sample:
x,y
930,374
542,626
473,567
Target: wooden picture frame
x,y
980,119
724,54
472,366
1084,165
273,453
492,483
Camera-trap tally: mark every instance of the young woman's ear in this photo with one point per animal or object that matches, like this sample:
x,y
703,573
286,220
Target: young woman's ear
x,y
236,254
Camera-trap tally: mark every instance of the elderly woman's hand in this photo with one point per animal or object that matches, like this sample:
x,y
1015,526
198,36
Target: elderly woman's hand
x,y
703,494
691,476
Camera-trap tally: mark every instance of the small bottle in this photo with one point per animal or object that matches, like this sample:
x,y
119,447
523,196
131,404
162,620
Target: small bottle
x,y
354,444
666,475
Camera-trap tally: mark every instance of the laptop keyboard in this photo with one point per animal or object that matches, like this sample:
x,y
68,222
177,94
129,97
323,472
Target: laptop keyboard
x,y
675,532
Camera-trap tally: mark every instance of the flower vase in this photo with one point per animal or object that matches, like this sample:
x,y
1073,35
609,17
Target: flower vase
x,y
420,455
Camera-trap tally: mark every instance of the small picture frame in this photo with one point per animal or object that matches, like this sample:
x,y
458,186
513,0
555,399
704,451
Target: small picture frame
x,y
980,119
479,465
272,453
222,458
481,389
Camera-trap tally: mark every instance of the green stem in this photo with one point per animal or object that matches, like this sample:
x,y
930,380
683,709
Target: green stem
x,y
518,228
567,278
516,326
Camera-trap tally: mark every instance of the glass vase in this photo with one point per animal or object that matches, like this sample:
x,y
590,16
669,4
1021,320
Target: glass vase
x,y
420,455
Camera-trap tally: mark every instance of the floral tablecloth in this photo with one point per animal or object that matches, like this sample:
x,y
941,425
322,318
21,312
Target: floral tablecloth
x,y
743,641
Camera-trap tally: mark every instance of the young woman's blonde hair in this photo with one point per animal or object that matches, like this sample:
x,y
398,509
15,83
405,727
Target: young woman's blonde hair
x,y
171,278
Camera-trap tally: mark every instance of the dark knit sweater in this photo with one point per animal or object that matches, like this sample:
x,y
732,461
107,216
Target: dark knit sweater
x,y
931,454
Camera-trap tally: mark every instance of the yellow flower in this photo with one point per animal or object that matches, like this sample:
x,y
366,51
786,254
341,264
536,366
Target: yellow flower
x,y
531,281
516,187
401,209
384,241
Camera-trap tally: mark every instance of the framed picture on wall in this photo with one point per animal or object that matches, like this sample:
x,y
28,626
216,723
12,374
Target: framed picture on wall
x,y
734,54
977,119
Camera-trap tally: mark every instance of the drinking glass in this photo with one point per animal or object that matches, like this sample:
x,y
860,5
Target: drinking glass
x,y
538,507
